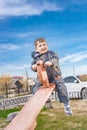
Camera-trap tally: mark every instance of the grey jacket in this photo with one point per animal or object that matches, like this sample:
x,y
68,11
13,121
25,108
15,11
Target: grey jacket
x,y
52,71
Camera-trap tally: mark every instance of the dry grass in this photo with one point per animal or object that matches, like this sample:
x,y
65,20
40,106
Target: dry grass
x,y
56,119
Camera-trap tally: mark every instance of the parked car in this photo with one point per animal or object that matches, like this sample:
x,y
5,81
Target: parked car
x,y
75,87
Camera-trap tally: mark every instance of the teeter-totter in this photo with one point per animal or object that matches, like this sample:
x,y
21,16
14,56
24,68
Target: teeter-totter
x,y
26,118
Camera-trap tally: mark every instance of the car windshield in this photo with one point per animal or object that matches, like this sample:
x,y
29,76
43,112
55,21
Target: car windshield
x,y
82,77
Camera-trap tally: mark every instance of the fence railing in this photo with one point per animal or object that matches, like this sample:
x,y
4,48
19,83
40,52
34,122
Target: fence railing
x,y
14,102
74,95
21,100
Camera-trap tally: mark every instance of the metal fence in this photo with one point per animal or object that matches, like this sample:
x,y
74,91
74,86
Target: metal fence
x,y
73,95
14,102
21,100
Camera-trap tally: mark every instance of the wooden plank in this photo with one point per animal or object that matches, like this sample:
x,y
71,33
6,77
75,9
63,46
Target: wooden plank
x,y
25,120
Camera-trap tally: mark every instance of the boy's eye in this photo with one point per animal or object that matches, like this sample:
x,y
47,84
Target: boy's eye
x,y
44,44
40,45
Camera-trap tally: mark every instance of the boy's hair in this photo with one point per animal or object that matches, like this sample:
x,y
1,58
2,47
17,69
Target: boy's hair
x,y
40,40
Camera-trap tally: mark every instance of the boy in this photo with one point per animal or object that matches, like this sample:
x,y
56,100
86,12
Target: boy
x,y
51,61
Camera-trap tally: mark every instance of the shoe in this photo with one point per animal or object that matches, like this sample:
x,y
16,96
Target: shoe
x,y
68,110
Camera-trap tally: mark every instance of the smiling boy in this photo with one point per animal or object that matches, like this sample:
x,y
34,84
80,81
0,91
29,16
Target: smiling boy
x,y
51,62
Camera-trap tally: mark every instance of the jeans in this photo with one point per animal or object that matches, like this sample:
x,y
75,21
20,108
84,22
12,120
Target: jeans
x,y
60,88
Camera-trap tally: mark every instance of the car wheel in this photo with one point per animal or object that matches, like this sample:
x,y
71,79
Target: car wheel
x,y
84,93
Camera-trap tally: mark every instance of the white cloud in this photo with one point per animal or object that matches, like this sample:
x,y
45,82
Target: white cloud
x,y
81,69
17,69
33,7
23,35
77,70
74,57
18,34
23,7
11,67
79,57
7,47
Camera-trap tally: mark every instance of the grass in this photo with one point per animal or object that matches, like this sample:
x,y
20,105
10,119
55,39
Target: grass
x,y
4,113
3,116
55,118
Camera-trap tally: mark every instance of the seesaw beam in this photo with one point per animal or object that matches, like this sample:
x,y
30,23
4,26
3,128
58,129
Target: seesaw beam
x,y
26,118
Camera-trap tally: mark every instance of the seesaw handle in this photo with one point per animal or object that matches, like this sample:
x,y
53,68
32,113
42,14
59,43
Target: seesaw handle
x,y
42,74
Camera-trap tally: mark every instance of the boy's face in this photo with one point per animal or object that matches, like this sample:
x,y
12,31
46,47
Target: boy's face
x,y
42,47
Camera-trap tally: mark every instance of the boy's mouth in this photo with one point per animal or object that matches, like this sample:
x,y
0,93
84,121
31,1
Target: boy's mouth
x,y
43,49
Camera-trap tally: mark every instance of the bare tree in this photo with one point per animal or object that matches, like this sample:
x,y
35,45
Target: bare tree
x,y
4,83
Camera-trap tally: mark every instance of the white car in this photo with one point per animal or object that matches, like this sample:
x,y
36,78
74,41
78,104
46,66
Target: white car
x,y
75,87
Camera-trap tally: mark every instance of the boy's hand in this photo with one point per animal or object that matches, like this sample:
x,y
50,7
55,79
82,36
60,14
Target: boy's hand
x,y
39,62
34,67
48,63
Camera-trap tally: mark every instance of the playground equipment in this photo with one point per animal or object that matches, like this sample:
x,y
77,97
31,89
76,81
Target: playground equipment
x,y
26,118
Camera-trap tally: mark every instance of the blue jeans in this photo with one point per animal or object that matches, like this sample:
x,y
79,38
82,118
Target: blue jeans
x,y
60,88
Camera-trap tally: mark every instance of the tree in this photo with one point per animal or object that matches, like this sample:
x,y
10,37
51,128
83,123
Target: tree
x,y
4,83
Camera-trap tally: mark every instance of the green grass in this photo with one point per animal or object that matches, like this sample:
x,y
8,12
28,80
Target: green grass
x,y
4,113
3,116
56,119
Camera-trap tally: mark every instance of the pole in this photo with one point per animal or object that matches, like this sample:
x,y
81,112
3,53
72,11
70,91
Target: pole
x,y
73,70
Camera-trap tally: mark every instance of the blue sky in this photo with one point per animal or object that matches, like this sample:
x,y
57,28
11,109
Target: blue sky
x,y
62,23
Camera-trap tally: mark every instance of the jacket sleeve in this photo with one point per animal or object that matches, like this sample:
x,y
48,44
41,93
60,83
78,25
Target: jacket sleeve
x,y
54,59
35,56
